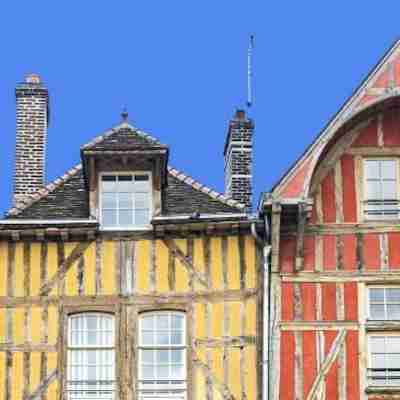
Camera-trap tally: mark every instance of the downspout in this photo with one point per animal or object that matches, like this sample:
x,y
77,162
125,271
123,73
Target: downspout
x,y
266,246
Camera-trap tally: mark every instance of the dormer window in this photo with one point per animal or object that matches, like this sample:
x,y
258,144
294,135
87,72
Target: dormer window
x,y
125,200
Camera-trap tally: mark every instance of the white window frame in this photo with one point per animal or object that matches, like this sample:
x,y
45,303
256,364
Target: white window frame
x,y
365,199
151,208
112,388
177,391
369,314
385,382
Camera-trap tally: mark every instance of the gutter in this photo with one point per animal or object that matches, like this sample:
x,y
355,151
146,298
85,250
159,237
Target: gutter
x,y
266,246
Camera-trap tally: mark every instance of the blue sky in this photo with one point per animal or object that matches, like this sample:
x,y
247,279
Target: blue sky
x,y
180,68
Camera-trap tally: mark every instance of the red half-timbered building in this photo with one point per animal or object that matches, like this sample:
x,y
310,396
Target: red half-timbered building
x,y
334,316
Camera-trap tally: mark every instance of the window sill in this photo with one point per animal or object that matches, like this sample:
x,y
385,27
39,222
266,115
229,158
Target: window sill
x,y
382,389
376,325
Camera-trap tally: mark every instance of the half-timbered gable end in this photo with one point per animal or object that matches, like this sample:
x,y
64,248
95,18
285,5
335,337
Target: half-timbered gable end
x,y
127,279
335,280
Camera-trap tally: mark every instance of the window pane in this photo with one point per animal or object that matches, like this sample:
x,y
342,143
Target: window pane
x,y
372,169
377,295
162,356
162,372
91,338
142,201
147,356
141,178
393,361
147,322
125,201
142,183
147,338
377,344
177,356
162,321
393,294
147,372
91,372
125,217
177,322
108,183
377,311
388,169
109,217
374,190
378,361
91,322
389,190
162,338
393,311
109,200
142,217
125,183
177,372
177,338
393,344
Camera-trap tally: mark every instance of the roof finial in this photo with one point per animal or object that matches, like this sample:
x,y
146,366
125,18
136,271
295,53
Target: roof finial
x,y
124,114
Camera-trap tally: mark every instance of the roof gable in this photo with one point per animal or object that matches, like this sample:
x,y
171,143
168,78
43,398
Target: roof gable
x,y
382,82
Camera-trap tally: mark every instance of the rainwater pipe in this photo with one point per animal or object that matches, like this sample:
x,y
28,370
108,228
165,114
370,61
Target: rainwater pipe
x,y
265,244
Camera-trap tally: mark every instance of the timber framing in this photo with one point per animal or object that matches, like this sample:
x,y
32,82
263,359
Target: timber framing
x,y
213,278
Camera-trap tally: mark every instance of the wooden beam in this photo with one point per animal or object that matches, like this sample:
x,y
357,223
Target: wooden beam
x,y
185,260
275,235
335,153
44,384
63,268
232,341
301,223
199,296
374,151
219,386
329,360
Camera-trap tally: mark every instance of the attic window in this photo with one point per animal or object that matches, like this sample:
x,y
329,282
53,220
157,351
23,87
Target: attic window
x,y
125,200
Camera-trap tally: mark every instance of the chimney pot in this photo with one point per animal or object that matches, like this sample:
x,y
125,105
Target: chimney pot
x,y
33,78
240,114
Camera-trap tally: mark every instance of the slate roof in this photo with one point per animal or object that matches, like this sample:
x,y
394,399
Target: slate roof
x,y
66,198
122,137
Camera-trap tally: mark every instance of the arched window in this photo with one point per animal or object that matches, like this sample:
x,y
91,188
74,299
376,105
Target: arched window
x,y
162,355
90,356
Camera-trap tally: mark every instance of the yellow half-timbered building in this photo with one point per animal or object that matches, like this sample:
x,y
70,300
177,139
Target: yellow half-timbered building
x,y
125,278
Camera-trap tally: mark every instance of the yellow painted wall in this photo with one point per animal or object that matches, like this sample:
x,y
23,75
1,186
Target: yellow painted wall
x,y
215,321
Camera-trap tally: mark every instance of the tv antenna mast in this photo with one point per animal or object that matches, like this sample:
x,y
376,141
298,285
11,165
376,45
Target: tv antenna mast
x,y
250,72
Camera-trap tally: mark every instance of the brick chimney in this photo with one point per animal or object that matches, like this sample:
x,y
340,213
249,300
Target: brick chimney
x,y
32,120
238,154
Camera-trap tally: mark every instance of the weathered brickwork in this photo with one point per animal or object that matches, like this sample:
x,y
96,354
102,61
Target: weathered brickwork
x,y
238,155
32,119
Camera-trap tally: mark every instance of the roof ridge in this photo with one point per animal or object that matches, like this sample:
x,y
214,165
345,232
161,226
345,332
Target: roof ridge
x,y
115,129
30,199
204,189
